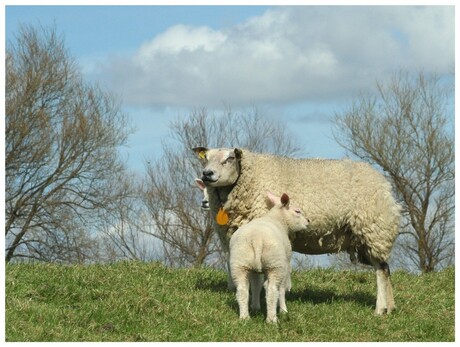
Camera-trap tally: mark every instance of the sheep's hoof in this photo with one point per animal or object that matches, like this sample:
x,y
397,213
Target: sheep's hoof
x,y
380,311
391,309
272,320
386,312
284,317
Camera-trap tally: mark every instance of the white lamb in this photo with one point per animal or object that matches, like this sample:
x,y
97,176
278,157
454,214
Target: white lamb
x,y
257,280
205,200
263,245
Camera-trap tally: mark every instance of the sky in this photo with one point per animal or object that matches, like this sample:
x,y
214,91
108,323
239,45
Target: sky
x,y
296,64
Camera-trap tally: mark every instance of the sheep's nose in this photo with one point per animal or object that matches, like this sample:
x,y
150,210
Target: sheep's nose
x,y
207,174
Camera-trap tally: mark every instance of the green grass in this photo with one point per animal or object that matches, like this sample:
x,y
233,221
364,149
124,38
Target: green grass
x,y
132,301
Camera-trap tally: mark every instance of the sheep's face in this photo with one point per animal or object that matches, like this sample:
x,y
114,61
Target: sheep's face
x,y
205,200
295,219
292,216
221,166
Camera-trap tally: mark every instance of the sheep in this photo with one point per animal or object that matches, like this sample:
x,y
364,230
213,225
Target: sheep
x,y
205,200
263,245
350,204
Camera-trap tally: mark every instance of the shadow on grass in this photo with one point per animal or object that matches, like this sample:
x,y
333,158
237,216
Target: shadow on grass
x,y
315,296
211,284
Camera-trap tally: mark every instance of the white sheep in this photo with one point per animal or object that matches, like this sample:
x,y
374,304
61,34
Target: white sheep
x,y
349,203
263,246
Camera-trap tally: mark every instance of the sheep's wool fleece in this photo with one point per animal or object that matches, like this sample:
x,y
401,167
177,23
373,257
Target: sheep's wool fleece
x,y
269,234
349,203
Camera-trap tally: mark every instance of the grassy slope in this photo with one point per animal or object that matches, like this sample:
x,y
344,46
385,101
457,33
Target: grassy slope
x,y
132,301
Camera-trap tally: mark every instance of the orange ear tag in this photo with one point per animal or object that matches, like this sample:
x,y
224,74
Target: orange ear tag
x,y
222,217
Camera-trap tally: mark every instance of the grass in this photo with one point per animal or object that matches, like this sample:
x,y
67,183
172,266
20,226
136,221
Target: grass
x,y
131,301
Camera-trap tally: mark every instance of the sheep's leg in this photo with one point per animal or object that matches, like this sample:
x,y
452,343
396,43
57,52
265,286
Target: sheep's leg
x,y
230,285
226,251
288,279
390,299
282,300
385,301
241,280
286,285
272,297
256,288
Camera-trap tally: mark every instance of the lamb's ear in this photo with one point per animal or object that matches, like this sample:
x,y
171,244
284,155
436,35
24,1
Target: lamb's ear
x,y
285,200
200,152
200,183
272,199
238,153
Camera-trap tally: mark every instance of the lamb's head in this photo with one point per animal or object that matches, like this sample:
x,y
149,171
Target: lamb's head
x,y
292,216
221,166
205,200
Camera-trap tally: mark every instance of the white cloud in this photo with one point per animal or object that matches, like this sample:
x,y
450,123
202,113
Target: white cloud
x,y
181,38
288,54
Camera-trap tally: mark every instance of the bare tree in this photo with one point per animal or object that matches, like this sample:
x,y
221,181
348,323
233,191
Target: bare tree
x,y
121,225
61,139
169,189
407,130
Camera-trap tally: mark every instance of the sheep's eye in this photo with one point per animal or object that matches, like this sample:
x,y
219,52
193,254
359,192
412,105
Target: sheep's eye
x,y
228,160
297,211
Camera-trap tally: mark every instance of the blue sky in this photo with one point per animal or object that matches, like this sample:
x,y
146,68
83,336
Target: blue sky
x,y
295,64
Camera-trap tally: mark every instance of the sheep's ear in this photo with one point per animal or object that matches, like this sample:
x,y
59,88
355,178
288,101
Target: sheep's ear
x,y
200,152
238,153
272,199
200,183
285,200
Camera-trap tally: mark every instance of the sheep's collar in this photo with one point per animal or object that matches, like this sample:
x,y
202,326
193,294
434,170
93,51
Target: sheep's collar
x,y
222,215
222,201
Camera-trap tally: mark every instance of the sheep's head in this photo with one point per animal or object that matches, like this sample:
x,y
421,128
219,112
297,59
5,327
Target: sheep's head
x,y
221,166
292,216
205,200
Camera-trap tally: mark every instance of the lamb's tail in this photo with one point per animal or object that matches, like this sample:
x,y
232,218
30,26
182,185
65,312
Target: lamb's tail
x,y
257,247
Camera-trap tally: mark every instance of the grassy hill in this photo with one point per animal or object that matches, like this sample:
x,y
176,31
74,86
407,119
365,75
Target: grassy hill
x,y
132,301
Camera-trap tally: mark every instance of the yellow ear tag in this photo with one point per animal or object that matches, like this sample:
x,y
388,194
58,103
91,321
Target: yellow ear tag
x,y
202,154
222,217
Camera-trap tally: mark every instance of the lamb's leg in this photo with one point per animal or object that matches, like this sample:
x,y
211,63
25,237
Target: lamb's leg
x,y
385,302
286,285
282,300
288,279
272,296
241,280
256,287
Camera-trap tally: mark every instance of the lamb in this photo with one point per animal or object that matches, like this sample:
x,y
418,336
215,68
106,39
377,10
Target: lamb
x,y
205,200
263,245
350,204
256,280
